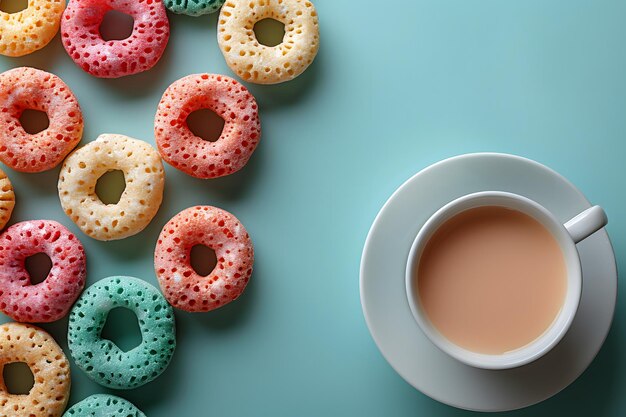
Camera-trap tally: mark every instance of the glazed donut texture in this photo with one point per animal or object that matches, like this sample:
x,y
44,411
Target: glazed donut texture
x,y
7,199
262,64
220,231
103,405
51,371
51,299
80,33
100,358
140,201
193,155
193,7
31,29
29,88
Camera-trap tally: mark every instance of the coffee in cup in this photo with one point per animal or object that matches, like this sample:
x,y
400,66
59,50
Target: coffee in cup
x,y
494,279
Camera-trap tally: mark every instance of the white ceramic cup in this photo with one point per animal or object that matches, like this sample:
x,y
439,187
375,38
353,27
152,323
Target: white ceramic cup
x,y
567,235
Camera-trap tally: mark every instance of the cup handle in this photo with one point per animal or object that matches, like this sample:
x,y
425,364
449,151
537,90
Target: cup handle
x,y
586,223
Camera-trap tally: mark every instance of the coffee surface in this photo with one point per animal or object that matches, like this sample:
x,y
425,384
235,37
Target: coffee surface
x,y
492,280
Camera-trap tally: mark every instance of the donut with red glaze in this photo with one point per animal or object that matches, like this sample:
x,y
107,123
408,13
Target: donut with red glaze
x,y
217,229
51,299
193,155
27,88
80,33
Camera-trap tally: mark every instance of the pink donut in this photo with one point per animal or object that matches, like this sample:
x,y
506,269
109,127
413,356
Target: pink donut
x,y
51,299
193,155
29,88
220,231
80,32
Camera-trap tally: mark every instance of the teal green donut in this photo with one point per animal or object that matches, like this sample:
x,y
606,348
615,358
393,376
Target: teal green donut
x,y
103,405
194,7
100,358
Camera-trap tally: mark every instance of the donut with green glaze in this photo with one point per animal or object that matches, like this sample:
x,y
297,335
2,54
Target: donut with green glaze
x,y
193,7
101,359
103,405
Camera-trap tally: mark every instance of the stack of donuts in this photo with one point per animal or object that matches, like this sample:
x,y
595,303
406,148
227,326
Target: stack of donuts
x,y
181,287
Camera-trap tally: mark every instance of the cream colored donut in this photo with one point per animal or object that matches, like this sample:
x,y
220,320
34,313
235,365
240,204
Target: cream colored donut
x,y
31,29
51,371
262,64
7,199
140,201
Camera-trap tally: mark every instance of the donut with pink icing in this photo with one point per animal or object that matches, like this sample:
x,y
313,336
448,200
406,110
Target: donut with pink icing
x,y
191,154
217,229
80,33
51,299
27,88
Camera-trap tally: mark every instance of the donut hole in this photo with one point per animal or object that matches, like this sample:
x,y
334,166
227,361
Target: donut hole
x,y
203,260
34,121
122,328
269,32
206,124
116,26
38,267
13,6
18,378
110,186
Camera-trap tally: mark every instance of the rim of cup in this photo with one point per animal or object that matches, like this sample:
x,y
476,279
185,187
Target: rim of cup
x,y
562,322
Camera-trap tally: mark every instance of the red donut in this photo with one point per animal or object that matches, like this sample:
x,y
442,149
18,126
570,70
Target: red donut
x,y
193,155
80,32
51,299
220,231
29,88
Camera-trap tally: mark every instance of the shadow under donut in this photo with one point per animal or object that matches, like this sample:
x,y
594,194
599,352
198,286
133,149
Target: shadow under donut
x,y
163,388
201,22
237,185
226,318
138,246
141,84
44,182
43,58
289,92
228,188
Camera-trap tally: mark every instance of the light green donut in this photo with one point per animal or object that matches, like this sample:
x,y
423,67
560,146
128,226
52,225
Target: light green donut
x,y
100,358
193,7
103,405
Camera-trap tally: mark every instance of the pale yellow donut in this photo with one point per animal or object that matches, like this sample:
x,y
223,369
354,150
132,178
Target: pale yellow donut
x,y
262,64
140,201
7,199
51,371
31,29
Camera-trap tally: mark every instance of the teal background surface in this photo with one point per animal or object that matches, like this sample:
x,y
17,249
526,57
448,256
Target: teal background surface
x,y
396,86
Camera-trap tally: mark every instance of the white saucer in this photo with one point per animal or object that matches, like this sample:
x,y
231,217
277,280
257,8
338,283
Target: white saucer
x,y
400,339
